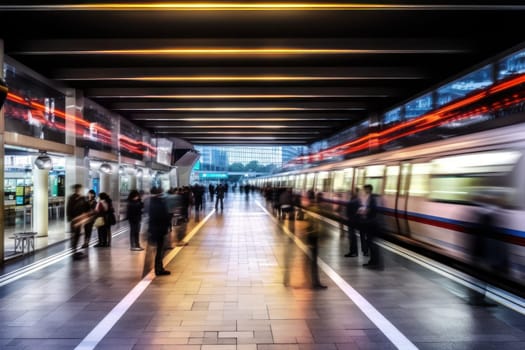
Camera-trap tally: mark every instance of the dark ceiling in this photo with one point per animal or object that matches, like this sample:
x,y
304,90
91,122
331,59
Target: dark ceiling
x,y
255,75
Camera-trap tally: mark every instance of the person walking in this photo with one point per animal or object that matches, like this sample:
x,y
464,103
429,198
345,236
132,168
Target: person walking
x,y
88,226
134,214
159,224
76,208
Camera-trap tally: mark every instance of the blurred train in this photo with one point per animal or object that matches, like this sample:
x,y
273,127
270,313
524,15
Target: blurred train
x,y
430,195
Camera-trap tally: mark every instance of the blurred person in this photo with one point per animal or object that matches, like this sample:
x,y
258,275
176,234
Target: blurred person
x,y
103,225
219,192
76,208
352,222
313,230
159,224
211,191
88,226
134,215
367,214
285,203
198,194
484,249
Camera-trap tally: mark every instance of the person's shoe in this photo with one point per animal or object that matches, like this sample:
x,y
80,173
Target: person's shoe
x,y
85,245
163,273
350,255
98,245
319,286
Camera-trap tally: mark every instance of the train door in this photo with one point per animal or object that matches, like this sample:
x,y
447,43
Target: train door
x,y
391,198
416,203
402,199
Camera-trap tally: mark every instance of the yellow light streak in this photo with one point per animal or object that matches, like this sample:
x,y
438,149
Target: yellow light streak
x,y
218,97
241,51
213,78
237,109
261,6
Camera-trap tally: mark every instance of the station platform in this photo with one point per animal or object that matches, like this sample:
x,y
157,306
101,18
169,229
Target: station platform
x,y
243,282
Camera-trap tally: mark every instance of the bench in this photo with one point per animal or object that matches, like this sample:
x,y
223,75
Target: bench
x,y
24,241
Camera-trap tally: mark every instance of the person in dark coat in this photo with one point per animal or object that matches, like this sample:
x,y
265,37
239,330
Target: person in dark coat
x,y
351,217
159,224
134,214
76,207
368,226
88,226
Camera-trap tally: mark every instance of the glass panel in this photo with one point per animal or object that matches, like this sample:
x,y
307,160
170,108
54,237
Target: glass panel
x,y
339,181
349,175
393,116
323,181
419,180
392,175
33,108
419,106
405,171
310,181
477,80
512,65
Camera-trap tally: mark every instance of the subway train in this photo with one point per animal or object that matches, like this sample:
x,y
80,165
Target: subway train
x,y
430,196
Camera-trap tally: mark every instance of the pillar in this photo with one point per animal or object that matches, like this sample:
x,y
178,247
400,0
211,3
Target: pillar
x,y
2,165
40,202
105,182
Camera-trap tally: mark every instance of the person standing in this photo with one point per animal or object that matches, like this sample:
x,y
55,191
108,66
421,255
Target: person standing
x,y
220,196
76,207
134,214
159,224
102,210
367,212
351,217
88,226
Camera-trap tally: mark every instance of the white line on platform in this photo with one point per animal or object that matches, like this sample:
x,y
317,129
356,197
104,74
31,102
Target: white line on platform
x,y
104,326
384,325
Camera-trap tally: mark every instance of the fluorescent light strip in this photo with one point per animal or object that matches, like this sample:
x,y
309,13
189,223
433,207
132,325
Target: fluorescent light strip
x,y
239,78
204,97
238,119
243,52
238,109
241,126
262,6
238,132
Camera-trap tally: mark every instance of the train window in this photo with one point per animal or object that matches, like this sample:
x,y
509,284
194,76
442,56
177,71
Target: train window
x,y
310,181
322,183
300,181
405,171
419,180
360,178
463,178
349,176
374,176
339,181
392,175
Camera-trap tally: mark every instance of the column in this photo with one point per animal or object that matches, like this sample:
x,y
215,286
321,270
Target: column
x,y
2,168
105,182
40,202
76,171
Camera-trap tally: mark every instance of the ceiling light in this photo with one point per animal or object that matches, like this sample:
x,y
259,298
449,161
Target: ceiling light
x,y
43,161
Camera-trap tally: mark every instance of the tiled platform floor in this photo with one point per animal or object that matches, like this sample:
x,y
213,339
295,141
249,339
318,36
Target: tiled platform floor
x,y
242,284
